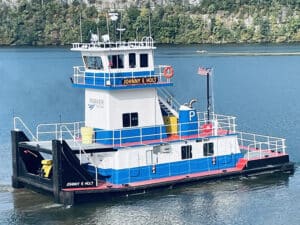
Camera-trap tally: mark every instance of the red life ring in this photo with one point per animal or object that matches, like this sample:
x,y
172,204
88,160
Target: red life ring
x,y
168,72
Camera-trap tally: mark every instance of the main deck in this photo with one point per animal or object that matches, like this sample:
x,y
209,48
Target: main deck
x,y
64,183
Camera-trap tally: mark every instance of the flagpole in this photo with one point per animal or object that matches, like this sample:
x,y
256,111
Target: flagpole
x,y
206,72
207,96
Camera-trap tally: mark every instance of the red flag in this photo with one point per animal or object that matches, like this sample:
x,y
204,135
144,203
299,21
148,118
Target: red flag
x,y
204,71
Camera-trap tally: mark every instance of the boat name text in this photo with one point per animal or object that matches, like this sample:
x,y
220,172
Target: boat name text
x,y
140,80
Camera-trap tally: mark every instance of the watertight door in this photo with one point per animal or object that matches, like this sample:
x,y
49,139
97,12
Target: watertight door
x,y
134,170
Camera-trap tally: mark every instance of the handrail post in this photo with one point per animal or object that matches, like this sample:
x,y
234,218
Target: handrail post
x,y
113,137
94,78
96,175
249,152
120,137
141,135
56,131
260,151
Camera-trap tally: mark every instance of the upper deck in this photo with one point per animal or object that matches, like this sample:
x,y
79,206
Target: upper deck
x,y
115,65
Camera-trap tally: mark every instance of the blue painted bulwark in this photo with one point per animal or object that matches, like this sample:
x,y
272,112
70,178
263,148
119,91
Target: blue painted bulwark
x,y
116,80
116,137
129,175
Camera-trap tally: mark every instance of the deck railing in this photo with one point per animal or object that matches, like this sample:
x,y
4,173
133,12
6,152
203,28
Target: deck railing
x,y
254,145
259,146
64,130
18,123
220,125
49,131
114,79
145,42
162,134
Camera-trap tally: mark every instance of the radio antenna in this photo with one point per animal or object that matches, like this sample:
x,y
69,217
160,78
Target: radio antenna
x,y
149,22
80,28
107,25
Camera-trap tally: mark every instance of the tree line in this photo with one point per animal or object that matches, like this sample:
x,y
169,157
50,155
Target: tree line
x,y
51,22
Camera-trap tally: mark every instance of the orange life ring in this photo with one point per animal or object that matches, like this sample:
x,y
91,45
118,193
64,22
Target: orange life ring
x,y
168,72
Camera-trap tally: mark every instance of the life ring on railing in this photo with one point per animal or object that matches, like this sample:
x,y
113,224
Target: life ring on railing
x,y
168,72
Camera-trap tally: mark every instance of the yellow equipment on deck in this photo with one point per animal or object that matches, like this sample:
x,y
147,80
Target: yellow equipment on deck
x,y
87,135
171,124
46,167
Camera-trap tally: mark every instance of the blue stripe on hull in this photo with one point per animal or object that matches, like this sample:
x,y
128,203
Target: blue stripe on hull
x,y
124,176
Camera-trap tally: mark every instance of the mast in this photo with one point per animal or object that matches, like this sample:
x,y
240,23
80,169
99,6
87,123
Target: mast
x,y
206,72
208,96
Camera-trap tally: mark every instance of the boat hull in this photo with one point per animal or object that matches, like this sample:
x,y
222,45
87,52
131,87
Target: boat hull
x,y
70,183
76,195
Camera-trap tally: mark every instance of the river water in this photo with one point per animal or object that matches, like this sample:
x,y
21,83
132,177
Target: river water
x,y
261,90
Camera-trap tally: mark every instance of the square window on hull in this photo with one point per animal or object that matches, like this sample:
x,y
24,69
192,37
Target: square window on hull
x,y
208,149
186,152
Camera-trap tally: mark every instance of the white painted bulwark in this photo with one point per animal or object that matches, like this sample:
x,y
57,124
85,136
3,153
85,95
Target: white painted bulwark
x,y
139,156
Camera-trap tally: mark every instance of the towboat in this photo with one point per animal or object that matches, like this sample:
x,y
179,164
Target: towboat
x,y
135,137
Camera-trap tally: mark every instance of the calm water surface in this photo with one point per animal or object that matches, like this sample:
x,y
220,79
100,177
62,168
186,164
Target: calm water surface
x,y
262,91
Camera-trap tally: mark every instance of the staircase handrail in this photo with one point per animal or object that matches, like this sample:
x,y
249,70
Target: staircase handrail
x,y
165,94
81,149
18,119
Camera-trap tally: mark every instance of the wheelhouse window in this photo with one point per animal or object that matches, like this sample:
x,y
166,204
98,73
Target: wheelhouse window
x,y
208,149
132,60
186,152
93,62
116,61
130,119
144,60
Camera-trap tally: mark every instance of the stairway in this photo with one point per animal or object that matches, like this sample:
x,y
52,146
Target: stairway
x,y
169,106
164,109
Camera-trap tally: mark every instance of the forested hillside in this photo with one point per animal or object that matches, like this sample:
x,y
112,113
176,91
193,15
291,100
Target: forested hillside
x,y
50,22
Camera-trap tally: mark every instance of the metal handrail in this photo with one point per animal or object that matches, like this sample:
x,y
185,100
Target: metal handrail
x,y
40,129
145,42
81,149
259,143
173,103
80,77
18,119
201,132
